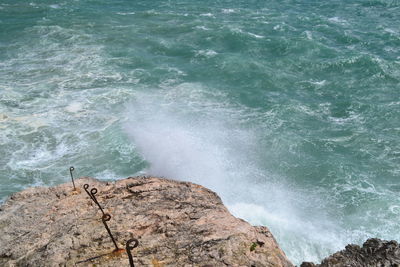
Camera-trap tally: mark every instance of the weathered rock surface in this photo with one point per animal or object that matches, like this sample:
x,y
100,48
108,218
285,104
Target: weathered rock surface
x,y
176,223
373,253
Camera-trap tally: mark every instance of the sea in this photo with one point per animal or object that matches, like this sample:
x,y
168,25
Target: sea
x,y
289,109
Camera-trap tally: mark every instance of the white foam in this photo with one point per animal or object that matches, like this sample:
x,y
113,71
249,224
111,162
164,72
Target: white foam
x,y
394,209
74,107
228,10
204,28
126,13
184,133
207,53
207,15
255,35
107,175
338,20
181,146
317,240
309,35
391,31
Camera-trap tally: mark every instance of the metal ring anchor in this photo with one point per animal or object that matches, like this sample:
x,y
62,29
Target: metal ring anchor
x,y
71,169
92,194
129,247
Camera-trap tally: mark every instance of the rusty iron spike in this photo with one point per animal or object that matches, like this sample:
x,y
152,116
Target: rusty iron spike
x,y
106,217
129,247
71,169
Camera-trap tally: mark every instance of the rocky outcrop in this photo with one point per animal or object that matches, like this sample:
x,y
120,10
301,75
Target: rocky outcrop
x,y
373,253
176,224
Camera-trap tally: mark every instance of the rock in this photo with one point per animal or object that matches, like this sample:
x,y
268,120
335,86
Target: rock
x,y
176,224
374,252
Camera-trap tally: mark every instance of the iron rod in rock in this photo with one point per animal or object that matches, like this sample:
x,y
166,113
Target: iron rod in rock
x,y
129,247
106,217
92,195
71,169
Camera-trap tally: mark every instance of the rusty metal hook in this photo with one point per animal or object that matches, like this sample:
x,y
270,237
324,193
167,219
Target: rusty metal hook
x,y
129,247
86,186
92,194
93,191
71,169
106,217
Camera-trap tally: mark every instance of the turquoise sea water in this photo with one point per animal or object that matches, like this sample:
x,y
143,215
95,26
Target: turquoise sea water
x,y
289,110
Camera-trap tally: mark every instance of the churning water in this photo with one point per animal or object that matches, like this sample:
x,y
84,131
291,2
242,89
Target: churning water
x,y
289,110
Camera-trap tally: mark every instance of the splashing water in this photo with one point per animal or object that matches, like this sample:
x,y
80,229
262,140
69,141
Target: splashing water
x,y
289,110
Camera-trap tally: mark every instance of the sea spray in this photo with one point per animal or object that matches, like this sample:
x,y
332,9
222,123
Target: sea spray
x,y
184,134
288,110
